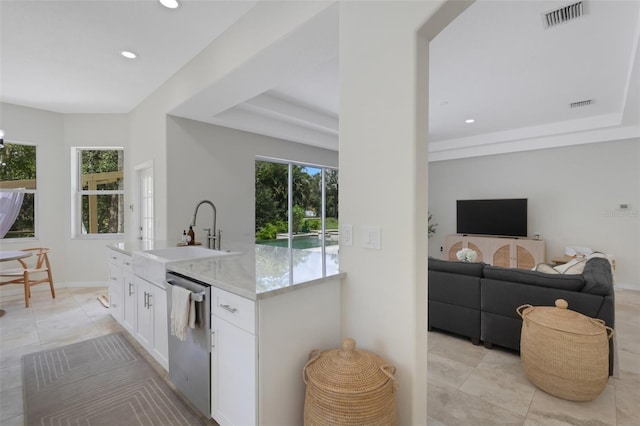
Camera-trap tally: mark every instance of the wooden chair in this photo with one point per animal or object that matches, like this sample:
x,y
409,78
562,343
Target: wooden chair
x,y
30,275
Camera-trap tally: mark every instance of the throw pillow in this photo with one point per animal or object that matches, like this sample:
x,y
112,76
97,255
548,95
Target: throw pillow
x,y
546,268
574,266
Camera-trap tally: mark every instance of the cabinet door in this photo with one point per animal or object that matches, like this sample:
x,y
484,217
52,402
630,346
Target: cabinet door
x,y
144,331
529,253
158,301
129,302
115,292
502,256
233,374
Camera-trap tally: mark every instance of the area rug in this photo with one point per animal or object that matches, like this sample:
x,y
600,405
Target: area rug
x,y
102,381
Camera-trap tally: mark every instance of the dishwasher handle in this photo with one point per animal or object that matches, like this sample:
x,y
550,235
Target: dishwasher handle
x,y
196,297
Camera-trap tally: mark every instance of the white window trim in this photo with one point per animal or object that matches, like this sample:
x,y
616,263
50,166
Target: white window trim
x,y
77,192
36,198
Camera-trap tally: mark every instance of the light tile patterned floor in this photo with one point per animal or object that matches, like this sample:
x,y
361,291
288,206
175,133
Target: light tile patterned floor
x,y
471,385
74,315
467,384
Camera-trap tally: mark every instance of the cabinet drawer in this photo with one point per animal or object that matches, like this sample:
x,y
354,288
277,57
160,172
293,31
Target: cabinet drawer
x,y
115,257
238,310
115,273
127,262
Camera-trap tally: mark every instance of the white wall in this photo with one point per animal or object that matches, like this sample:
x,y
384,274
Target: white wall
x,y
383,182
218,164
574,193
74,261
237,48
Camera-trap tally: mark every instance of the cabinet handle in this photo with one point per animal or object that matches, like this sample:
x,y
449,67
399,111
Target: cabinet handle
x,y
229,308
114,278
213,339
145,299
130,292
113,305
149,305
127,263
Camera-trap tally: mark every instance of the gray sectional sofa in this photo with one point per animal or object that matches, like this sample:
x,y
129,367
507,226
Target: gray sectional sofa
x,y
479,301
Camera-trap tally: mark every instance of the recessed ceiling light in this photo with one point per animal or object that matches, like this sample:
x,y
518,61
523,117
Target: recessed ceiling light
x,y
171,4
469,120
128,55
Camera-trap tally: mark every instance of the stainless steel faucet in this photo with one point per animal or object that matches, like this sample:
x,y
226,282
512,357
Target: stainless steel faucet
x,y
213,241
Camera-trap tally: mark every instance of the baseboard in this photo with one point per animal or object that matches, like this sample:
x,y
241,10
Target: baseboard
x,y
626,286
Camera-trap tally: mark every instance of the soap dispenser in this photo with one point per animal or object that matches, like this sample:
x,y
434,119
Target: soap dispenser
x,y
191,234
184,237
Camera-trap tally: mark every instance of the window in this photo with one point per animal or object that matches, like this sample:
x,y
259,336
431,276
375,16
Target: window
x,y
98,183
18,190
297,206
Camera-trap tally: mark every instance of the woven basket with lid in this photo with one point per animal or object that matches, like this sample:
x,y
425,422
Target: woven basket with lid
x,y
563,352
349,387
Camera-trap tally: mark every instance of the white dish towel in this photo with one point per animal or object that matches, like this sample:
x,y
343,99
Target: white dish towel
x,y
182,312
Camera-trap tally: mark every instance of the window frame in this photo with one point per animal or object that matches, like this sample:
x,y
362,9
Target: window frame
x,y
36,198
77,193
323,185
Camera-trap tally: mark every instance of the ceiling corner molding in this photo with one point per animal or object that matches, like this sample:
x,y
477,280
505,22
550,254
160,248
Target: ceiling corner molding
x,y
545,142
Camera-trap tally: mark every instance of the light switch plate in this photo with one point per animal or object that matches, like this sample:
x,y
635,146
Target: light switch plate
x,y
371,237
346,235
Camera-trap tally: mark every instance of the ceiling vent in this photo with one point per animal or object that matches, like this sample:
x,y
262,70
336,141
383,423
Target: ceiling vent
x,y
563,14
580,104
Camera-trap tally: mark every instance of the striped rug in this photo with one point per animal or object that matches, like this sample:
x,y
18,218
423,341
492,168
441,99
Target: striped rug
x,y
101,381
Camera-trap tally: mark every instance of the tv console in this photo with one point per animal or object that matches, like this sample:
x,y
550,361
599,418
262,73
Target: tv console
x,y
498,251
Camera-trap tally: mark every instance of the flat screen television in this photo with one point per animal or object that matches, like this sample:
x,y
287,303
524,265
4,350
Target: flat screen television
x,y
504,217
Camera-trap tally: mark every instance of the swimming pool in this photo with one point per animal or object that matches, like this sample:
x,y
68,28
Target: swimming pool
x,y
298,243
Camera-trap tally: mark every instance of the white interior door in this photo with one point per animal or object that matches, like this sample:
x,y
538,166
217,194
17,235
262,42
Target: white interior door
x,y
144,177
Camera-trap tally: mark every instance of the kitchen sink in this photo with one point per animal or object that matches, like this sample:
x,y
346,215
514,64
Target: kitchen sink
x,y
151,264
185,253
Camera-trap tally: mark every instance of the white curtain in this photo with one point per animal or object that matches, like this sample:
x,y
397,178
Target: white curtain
x,y
10,204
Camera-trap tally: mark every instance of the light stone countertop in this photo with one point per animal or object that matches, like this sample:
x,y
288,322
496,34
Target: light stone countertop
x,y
261,271
128,247
254,272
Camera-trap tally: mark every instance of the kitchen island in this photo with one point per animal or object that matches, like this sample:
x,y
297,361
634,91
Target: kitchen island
x,y
270,308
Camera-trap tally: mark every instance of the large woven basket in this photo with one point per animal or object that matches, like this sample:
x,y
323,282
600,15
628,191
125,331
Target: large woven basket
x,y
349,387
563,352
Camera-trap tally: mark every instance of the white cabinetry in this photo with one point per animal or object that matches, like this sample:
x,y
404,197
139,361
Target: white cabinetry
x,y
497,251
151,319
129,302
233,359
259,349
116,284
139,306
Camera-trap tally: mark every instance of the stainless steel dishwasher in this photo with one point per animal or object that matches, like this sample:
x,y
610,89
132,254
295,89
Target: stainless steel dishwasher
x,y
190,360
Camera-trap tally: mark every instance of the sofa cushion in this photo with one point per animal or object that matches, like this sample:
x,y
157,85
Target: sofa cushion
x,y
524,276
473,269
597,277
454,289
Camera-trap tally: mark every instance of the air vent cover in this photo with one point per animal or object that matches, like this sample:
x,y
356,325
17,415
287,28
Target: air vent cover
x,y
563,14
579,104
